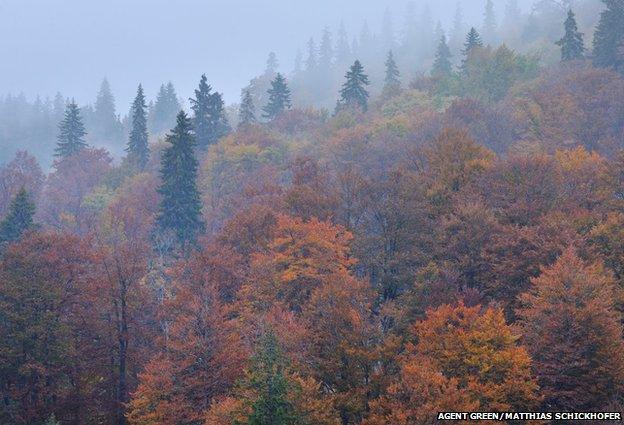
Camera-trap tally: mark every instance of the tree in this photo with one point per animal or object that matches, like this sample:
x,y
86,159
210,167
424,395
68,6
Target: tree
x,y
71,133
609,37
392,84
267,379
162,115
180,206
442,66
19,219
326,50
23,171
572,42
480,351
489,23
107,125
138,149
473,39
247,111
279,98
353,93
574,334
209,120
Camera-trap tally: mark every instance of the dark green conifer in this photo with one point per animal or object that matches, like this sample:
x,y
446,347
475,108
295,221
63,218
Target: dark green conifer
x,y
572,42
138,149
353,92
247,111
392,84
209,120
19,218
442,66
180,205
279,98
268,380
609,37
473,41
71,133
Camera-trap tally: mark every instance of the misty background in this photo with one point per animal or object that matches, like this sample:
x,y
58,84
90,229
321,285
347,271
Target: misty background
x,y
58,50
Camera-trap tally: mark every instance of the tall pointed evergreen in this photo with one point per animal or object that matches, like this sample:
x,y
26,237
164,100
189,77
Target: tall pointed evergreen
x,y
442,66
473,40
489,23
19,218
269,383
247,110
279,98
209,120
71,133
106,126
392,84
572,42
609,37
180,205
138,149
163,114
353,92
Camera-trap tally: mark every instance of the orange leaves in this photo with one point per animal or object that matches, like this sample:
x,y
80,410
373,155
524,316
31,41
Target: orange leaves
x,y
574,333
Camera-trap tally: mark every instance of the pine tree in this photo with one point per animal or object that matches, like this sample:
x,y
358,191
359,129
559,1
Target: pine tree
x,y
71,133
572,42
609,37
269,382
180,205
19,218
392,84
343,49
279,98
489,23
326,50
353,92
209,120
247,111
138,149
166,107
271,64
442,66
473,40
107,126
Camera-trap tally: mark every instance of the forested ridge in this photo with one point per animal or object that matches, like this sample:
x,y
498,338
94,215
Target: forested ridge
x,y
442,241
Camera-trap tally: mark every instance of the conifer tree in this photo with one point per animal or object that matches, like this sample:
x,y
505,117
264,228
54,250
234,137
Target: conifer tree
x,y
609,37
247,111
71,133
489,23
572,42
392,84
138,149
209,120
180,205
326,50
311,60
342,44
269,382
442,66
107,125
166,107
19,218
279,98
473,40
353,92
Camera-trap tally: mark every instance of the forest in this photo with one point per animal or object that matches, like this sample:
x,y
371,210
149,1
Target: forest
x,y
404,224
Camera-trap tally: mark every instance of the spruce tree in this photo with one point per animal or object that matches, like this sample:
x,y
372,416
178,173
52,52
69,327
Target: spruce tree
x,y
71,133
247,111
489,23
442,66
609,37
19,218
107,125
279,98
269,382
163,114
473,41
572,42
392,84
209,120
180,205
353,92
138,149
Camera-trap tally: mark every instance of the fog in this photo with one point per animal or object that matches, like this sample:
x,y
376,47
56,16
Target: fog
x,y
49,46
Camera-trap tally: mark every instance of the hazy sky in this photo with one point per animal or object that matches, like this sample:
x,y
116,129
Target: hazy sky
x,y
70,45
